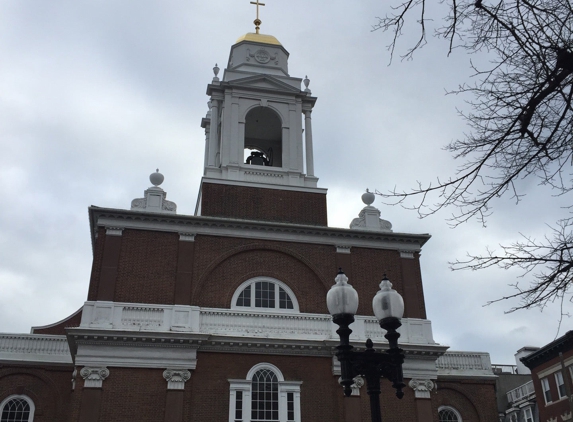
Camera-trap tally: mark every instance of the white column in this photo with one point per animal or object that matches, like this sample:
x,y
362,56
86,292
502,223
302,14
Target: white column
x,y
308,142
213,132
207,140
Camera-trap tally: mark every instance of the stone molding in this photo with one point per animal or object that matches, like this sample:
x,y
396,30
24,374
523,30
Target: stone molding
x,y
43,348
214,226
113,231
176,378
187,237
369,219
422,387
94,376
343,249
407,254
118,316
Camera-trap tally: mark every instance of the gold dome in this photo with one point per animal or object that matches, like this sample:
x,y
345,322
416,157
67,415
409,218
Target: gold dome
x,y
260,38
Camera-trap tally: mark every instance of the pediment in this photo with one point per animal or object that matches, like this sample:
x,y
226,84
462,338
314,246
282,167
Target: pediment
x,y
264,82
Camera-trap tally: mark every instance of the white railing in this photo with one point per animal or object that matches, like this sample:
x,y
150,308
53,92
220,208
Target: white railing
x,y
34,347
523,392
462,363
233,322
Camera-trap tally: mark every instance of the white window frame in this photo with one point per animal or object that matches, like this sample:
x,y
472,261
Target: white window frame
x,y
276,282
19,396
546,388
560,380
527,414
245,386
450,408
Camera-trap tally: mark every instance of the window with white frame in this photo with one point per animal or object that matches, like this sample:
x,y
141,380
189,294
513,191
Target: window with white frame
x,y
448,414
560,384
527,414
546,389
264,396
17,408
264,293
513,417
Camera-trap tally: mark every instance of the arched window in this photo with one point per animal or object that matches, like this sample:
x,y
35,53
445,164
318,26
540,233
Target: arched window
x,y
448,414
263,137
264,293
264,396
17,408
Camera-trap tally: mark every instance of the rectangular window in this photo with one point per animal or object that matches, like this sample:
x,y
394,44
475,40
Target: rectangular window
x,y
527,414
560,384
264,294
290,407
546,390
238,406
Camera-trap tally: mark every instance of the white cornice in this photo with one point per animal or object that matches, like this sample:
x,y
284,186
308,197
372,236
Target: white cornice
x,y
213,226
262,185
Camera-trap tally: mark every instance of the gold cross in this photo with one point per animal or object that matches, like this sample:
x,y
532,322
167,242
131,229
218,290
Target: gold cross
x,y
257,21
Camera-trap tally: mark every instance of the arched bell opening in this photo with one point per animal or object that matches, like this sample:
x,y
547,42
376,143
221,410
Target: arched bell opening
x,y
263,138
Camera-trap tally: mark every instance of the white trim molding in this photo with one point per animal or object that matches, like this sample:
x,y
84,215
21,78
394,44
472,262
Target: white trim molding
x,y
343,249
187,237
407,254
113,231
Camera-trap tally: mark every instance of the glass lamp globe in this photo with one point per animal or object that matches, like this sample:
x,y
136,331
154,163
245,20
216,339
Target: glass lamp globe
x,y
342,298
387,302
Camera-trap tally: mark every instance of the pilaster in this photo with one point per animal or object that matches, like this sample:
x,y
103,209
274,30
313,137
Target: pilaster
x,y
422,391
174,399
91,401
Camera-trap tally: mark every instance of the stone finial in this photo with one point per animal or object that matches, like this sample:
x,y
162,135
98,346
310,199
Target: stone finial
x,y
216,72
156,178
176,378
369,217
306,81
94,376
154,197
368,197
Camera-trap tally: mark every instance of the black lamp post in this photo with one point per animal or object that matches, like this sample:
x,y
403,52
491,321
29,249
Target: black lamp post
x,y
388,306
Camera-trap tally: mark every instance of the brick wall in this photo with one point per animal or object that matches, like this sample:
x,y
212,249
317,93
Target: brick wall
x,y
251,203
147,270
48,387
475,400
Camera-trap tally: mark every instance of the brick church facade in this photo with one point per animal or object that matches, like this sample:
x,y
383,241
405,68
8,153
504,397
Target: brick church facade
x,y
221,316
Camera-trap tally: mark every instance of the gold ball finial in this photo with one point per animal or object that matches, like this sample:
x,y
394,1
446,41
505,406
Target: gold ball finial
x,y
257,23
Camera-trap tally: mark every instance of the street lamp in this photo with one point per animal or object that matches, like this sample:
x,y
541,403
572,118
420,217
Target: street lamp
x,y
388,306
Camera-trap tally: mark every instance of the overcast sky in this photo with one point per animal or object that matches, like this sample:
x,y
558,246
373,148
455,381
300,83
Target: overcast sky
x,y
94,95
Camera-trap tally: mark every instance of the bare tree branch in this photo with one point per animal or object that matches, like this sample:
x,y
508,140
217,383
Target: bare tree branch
x,y
520,126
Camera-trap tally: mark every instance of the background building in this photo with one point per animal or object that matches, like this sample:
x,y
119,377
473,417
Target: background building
x,y
552,374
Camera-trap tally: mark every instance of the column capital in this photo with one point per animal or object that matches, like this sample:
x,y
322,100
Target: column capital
x,y
176,378
422,388
94,376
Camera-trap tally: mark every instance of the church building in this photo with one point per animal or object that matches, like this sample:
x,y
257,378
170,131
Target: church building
x,y
221,316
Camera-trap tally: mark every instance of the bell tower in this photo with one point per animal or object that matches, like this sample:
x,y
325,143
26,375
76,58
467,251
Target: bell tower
x,y
258,139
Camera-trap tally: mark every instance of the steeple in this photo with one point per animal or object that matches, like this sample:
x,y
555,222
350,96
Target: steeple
x,y
255,134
